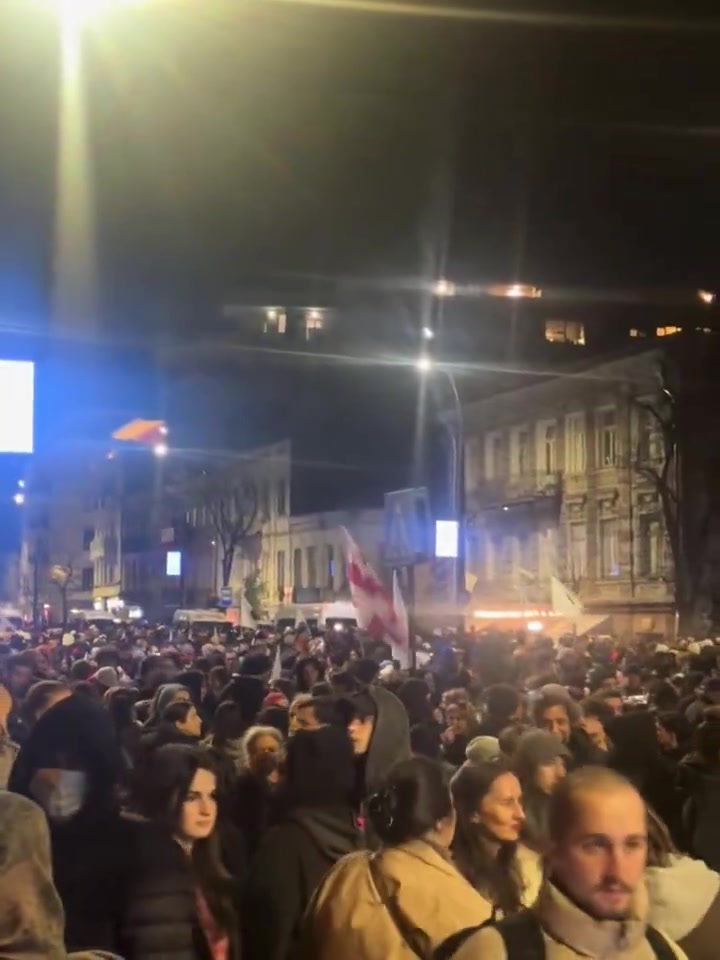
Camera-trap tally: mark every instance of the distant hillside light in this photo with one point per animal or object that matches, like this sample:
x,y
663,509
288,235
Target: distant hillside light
x,y
706,296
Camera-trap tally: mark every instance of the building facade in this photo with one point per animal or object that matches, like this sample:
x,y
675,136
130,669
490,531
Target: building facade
x,y
554,487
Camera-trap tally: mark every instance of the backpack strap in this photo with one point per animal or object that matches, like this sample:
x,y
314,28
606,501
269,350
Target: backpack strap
x,y
660,946
523,936
521,933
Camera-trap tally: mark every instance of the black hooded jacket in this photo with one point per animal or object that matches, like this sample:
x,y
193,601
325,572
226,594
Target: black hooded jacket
x,y
390,741
291,861
318,829
87,849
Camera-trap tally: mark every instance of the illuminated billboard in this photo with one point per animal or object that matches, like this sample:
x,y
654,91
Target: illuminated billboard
x,y
17,395
446,539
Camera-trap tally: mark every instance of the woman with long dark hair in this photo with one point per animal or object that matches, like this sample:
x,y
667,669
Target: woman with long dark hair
x,y
486,846
180,904
406,898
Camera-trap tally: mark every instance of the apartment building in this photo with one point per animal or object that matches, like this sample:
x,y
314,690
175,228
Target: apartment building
x,y
555,488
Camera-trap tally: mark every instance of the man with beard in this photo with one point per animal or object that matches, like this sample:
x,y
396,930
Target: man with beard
x,y
593,902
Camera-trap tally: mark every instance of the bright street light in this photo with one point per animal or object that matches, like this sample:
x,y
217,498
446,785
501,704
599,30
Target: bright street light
x,y
160,449
424,364
444,288
19,499
428,333
75,13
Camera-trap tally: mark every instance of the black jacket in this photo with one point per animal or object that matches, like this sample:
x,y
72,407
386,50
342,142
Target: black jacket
x,y
292,859
158,918
87,849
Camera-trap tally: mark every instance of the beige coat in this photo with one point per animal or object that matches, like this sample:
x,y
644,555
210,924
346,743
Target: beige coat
x,y
570,933
347,916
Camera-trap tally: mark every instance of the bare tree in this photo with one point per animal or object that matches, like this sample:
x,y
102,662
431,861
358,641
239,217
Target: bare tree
x,y
63,576
229,497
685,473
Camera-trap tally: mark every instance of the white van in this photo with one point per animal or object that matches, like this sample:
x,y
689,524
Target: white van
x,y
201,621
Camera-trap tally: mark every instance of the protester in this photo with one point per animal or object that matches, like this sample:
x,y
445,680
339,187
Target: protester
x,y
539,761
555,712
317,827
597,717
380,735
71,766
593,902
684,895
179,904
486,847
503,707
407,897
31,914
165,695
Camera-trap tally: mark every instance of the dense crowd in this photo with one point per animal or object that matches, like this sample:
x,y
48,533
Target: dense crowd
x,y
301,797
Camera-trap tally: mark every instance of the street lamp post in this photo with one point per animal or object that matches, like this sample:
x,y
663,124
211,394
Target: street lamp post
x,y
456,432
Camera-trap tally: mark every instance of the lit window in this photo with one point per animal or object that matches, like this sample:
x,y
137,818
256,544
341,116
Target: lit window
x,y
637,333
275,320
565,331
667,331
314,322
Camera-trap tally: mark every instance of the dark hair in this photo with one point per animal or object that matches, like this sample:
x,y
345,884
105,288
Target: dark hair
x,y
321,689
598,708
81,670
550,700
120,704
161,796
502,700
18,660
660,847
107,657
497,877
219,676
193,681
228,723
39,695
301,680
343,682
707,742
277,717
414,694
416,795
676,723
177,712
85,688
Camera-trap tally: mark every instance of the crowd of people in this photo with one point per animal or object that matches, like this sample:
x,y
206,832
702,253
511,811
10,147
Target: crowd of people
x,y
300,797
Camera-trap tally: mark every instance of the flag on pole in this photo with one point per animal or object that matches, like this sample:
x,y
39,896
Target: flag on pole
x,y
376,612
277,664
401,650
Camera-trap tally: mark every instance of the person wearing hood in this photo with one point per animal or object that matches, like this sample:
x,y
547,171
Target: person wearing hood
x,y
165,695
8,748
380,735
539,762
684,895
317,828
71,766
179,723
31,913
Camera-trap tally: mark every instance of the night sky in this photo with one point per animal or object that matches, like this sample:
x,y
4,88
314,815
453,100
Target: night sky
x,y
231,141
243,138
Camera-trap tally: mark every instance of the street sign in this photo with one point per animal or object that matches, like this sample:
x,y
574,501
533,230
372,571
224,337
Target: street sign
x,y
226,597
407,526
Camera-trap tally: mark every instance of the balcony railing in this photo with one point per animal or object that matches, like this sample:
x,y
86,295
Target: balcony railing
x,y
516,488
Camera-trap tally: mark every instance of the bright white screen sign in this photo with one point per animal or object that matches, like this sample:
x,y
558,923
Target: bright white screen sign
x,y
17,389
446,538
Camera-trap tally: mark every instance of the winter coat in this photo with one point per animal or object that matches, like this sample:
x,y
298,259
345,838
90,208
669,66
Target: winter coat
x,y
77,734
348,916
158,917
31,913
292,859
569,932
685,904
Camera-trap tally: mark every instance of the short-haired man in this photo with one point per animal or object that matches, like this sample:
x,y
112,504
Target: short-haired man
x,y
593,902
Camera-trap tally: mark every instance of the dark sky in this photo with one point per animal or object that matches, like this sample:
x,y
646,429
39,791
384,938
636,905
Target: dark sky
x,y
235,139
